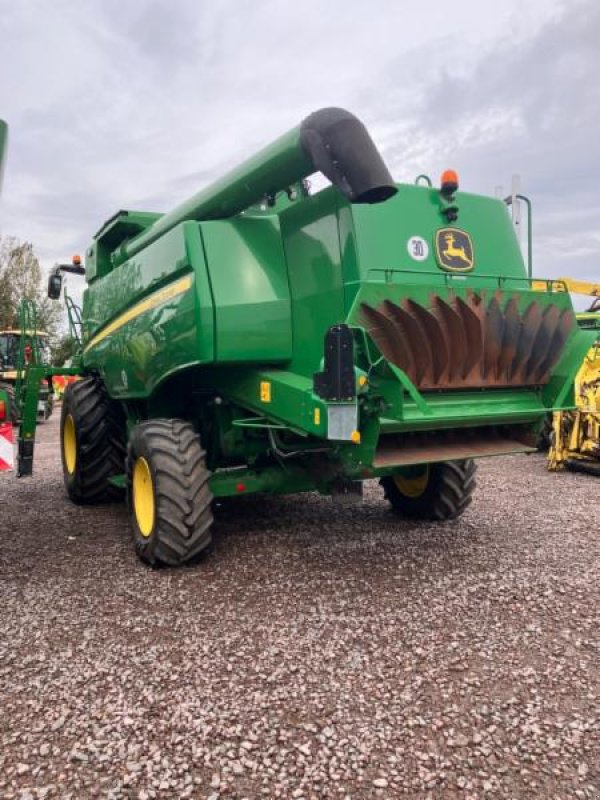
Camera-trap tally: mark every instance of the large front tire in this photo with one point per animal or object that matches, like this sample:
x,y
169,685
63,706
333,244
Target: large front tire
x,y
92,437
168,491
439,491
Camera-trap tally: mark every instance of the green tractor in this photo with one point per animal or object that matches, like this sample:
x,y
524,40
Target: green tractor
x,y
18,349
263,338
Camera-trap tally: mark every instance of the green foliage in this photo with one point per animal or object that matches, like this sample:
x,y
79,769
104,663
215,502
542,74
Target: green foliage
x,y
21,277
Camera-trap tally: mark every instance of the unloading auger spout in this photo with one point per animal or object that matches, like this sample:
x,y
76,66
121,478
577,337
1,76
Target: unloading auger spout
x,y
331,141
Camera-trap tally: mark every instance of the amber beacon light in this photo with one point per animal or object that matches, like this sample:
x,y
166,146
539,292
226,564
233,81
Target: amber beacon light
x,y
449,182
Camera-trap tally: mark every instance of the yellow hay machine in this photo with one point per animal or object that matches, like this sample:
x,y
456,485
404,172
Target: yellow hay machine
x,y
575,438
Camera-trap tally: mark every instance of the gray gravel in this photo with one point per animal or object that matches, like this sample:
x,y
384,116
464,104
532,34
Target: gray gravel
x,y
318,652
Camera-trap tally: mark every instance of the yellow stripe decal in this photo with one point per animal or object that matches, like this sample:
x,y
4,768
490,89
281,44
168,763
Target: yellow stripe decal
x,y
156,299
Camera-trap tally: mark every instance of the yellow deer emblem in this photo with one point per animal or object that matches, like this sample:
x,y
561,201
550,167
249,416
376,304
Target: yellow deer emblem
x,y
454,250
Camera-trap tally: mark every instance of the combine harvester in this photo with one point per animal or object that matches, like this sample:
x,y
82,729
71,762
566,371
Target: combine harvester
x,y
262,339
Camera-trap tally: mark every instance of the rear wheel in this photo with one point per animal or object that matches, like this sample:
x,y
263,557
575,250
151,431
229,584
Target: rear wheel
x,y
12,402
439,491
168,492
92,436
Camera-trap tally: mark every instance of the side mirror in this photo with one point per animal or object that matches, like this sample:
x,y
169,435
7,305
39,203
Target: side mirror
x,y
54,285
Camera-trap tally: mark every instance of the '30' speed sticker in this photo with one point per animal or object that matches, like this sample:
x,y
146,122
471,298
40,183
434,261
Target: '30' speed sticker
x,y
417,247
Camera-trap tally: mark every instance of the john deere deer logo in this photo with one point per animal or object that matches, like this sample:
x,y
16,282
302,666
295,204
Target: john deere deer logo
x,y
454,250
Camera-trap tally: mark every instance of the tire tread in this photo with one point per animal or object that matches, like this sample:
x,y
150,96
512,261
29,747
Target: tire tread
x,y
447,495
101,442
182,494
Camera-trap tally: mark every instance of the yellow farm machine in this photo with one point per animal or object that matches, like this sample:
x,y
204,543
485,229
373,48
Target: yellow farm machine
x,y
575,436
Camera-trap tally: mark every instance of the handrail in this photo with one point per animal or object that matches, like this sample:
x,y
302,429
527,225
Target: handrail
x,y
450,278
423,177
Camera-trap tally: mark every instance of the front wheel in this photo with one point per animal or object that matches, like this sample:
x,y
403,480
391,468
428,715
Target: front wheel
x,y
440,491
168,492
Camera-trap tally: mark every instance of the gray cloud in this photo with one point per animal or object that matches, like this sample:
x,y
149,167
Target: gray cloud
x,y
116,105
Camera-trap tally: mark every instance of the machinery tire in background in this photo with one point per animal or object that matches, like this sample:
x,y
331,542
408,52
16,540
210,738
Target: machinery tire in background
x,y
12,400
168,492
92,437
440,491
49,406
544,439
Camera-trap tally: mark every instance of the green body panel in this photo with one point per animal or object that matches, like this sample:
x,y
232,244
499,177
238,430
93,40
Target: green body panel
x,y
160,337
381,234
312,249
250,289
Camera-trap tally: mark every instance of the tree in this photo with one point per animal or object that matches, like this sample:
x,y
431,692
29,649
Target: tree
x,y
65,348
21,278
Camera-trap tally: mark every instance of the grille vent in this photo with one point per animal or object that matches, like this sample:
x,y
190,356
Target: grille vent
x,y
477,341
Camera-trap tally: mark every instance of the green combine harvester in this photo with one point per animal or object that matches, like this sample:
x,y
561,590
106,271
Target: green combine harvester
x,y
260,338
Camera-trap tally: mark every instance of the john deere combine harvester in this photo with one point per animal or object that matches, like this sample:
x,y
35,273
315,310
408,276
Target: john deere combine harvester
x,y
260,339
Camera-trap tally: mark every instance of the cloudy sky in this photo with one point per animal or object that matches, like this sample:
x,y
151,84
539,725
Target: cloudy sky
x,y
139,104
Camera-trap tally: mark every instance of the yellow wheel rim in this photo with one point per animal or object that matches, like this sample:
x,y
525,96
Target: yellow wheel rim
x,y
143,496
70,444
415,485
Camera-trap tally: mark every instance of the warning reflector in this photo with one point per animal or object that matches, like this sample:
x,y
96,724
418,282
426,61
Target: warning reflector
x,y
7,455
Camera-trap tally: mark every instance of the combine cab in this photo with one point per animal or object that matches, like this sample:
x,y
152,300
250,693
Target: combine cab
x,y
262,339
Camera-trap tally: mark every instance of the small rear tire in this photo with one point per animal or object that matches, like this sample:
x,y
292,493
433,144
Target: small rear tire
x,y
544,439
440,491
12,402
92,437
49,407
168,492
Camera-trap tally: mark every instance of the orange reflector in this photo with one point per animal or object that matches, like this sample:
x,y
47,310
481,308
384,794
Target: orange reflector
x,y
76,260
2,409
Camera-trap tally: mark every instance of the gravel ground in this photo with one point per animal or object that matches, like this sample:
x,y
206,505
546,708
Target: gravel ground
x,y
318,652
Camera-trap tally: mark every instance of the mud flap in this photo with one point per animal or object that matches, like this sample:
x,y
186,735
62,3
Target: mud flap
x,y
25,458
